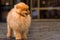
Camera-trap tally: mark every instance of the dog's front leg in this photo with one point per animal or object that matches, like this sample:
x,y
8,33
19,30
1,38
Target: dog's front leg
x,y
9,32
17,35
24,36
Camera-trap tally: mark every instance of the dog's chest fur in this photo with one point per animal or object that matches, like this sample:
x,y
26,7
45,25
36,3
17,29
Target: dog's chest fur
x,y
19,22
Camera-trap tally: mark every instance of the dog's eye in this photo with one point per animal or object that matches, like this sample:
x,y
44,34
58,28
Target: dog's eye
x,y
26,9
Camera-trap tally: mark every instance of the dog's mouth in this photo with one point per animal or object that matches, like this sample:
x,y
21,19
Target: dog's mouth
x,y
24,14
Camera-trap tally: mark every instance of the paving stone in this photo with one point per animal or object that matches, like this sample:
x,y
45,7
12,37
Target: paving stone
x,y
37,31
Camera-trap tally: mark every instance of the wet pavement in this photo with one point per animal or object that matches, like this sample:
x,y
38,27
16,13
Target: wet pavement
x,y
37,31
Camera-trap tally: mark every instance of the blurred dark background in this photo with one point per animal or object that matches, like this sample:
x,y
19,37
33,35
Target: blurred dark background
x,y
40,9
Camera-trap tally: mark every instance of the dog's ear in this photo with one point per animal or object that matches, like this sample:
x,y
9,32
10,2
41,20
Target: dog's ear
x,y
17,6
21,6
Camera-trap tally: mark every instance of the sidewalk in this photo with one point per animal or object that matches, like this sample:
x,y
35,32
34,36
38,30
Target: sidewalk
x,y
37,31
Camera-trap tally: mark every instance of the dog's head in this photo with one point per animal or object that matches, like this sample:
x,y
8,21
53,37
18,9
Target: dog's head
x,y
22,8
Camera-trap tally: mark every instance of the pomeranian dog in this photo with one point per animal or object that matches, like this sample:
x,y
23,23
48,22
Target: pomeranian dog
x,y
18,21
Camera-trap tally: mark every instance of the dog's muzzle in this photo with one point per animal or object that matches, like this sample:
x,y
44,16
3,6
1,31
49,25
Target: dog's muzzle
x,y
24,13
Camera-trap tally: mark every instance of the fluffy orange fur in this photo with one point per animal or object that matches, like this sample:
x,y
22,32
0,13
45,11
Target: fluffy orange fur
x,y
18,21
